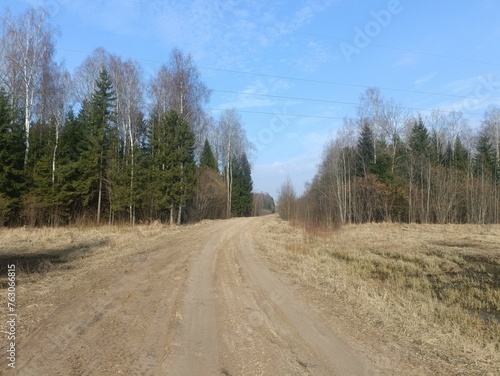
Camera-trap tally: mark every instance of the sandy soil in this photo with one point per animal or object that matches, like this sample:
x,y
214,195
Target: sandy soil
x,y
197,302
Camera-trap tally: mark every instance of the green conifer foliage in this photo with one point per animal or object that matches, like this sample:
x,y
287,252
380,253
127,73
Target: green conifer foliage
x,y
207,158
242,200
11,161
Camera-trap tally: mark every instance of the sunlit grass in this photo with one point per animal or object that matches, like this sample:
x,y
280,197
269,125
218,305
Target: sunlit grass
x,y
435,286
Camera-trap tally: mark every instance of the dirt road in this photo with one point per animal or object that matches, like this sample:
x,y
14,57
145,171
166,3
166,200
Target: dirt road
x,y
204,303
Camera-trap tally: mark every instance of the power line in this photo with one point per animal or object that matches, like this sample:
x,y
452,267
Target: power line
x,y
344,84
281,114
330,101
308,79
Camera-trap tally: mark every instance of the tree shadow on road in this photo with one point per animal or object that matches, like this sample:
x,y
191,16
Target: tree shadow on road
x,y
47,259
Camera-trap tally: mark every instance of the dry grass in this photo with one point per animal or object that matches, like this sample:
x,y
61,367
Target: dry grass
x,y
57,259
435,288
40,250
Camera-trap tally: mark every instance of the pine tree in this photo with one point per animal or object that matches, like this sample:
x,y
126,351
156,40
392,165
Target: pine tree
x,y
207,158
11,161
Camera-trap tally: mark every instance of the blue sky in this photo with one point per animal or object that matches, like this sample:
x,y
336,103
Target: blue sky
x,y
313,58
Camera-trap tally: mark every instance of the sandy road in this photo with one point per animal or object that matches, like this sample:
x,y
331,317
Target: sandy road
x,y
203,304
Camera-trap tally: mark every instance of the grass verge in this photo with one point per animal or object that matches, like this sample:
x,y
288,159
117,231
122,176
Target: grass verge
x,y
433,291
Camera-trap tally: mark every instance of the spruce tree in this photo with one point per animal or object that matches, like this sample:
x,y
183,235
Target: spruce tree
x,y
73,168
43,192
460,156
366,151
11,161
419,139
183,165
99,126
485,156
172,149
207,158
242,195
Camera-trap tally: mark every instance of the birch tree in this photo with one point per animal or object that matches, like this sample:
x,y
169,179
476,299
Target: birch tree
x,y
87,73
178,87
233,142
27,47
129,103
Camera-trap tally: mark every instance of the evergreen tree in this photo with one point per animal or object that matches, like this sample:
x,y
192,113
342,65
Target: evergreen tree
x,y
460,156
435,154
183,164
11,161
419,139
159,176
207,158
382,168
366,151
242,196
448,156
172,145
43,192
73,168
485,157
98,119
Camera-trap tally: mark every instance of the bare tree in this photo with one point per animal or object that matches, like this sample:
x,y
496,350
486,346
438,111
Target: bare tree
x,y
287,200
394,120
87,73
178,86
56,87
129,103
27,49
491,127
371,111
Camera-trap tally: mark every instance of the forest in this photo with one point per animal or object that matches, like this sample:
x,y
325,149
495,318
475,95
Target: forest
x,y
103,144
389,164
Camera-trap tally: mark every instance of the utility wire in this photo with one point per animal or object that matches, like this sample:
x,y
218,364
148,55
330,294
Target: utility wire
x,y
332,102
344,84
281,114
308,80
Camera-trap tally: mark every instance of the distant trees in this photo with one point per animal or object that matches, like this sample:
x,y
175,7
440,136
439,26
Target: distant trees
x,y
86,146
263,204
403,168
287,201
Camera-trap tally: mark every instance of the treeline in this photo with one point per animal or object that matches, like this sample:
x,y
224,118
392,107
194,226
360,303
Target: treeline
x,y
103,145
390,165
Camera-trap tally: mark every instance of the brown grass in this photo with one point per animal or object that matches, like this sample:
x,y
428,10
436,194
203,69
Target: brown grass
x,y
432,289
56,259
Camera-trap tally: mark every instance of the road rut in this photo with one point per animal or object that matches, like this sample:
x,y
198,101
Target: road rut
x,y
203,303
